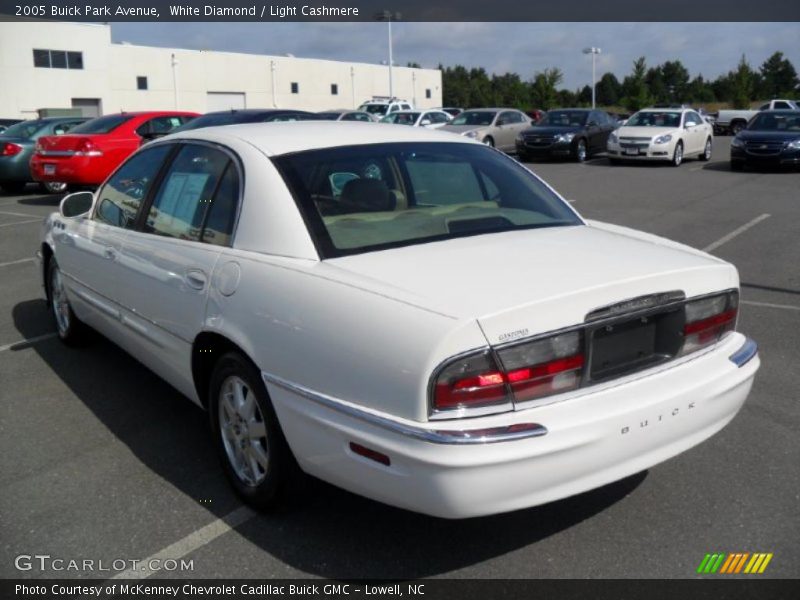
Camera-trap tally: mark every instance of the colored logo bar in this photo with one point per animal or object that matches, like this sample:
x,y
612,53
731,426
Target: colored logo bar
x,y
734,563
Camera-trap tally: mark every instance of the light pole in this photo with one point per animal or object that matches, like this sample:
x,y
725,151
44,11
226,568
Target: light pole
x,y
175,80
389,16
594,52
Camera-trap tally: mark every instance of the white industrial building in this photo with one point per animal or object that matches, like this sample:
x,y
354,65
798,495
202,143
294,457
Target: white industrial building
x,y
46,65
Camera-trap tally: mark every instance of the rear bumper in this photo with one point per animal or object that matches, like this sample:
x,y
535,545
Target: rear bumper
x,y
591,440
79,170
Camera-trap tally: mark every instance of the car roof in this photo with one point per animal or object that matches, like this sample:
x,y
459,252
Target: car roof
x,y
488,109
274,139
574,109
257,111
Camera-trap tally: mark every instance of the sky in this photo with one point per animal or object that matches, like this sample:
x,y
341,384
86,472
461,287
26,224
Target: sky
x,y
710,49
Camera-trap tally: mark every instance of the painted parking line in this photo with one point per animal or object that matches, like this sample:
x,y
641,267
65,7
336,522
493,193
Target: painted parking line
x,y
17,262
16,214
21,222
190,543
735,233
770,305
29,342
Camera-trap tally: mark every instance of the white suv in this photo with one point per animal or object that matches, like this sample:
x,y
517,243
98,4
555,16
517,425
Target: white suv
x,y
380,107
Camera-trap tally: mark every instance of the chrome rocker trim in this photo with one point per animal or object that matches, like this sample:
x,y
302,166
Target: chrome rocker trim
x,y
459,437
745,353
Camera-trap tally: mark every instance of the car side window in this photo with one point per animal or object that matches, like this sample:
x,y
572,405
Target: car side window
x,y
218,228
121,197
187,192
437,117
764,107
782,105
160,125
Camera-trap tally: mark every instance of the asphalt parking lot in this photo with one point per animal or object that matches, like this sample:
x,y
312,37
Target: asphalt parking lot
x,y
102,460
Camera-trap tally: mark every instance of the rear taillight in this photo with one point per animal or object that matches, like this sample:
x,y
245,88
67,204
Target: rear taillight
x,y
526,371
544,367
708,320
87,148
10,149
470,382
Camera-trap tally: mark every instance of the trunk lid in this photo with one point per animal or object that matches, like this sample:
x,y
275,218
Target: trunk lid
x,y
522,283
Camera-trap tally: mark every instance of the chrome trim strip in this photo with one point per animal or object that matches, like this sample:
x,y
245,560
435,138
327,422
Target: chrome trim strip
x,y
463,437
744,354
56,152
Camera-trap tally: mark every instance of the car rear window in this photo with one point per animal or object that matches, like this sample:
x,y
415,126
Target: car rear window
x,y
105,124
364,198
25,129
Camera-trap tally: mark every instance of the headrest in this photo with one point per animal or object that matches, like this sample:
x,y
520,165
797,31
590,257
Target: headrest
x,y
367,195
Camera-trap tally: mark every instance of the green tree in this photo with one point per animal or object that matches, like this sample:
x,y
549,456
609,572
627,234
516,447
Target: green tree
x,y
543,88
778,77
742,84
634,87
608,90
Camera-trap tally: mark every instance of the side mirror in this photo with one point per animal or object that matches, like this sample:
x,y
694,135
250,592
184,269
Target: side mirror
x,y
425,122
75,205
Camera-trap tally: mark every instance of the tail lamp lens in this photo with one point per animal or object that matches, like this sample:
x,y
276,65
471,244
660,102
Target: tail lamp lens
x,y
528,371
708,320
10,149
87,148
470,382
544,367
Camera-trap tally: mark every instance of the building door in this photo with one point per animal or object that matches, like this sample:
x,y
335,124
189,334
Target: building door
x,y
89,106
224,101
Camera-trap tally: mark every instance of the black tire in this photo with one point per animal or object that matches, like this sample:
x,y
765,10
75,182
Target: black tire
x,y
677,155
580,152
706,154
53,187
71,330
737,166
13,187
737,126
488,140
275,464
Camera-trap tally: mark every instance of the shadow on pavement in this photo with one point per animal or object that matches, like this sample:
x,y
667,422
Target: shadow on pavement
x,y
324,531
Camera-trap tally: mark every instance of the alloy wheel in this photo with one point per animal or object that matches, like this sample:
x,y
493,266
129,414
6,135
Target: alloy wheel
x,y
243,431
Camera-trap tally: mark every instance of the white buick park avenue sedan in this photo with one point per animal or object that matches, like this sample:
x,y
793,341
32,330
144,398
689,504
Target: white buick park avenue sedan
x,y
407,314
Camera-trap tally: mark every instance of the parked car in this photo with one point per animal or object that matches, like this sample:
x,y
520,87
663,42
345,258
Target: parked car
x,y
432,119
91,151
380,106
344,333
247,115
493,126
656,134
771,139
575,133
733,121
452,110
535,115
16,148
344,114
6,123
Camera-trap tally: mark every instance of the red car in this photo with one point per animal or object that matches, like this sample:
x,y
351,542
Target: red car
x,y
91,151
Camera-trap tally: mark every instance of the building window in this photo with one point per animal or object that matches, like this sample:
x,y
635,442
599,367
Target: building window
x,y
427,92
295,87
57,59
334,89
141,83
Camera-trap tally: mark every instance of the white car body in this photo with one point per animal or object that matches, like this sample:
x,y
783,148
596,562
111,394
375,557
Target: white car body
x,y
653,143
347,346
429,119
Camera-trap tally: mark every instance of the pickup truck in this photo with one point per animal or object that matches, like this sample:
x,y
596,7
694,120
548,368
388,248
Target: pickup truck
x,y
733,121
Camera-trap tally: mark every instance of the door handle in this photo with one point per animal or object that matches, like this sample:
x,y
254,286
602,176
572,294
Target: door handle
x,y
196,279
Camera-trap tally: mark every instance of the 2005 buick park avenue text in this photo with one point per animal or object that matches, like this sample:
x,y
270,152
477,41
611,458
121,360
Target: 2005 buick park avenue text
x,y
208,10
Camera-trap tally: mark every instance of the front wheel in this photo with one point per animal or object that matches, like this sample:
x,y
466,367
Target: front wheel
x,y
70,329
677,155
580,151
706,155
54,187
254,453
488,141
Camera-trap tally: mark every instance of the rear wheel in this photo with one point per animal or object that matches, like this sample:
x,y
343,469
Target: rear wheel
x,y
254,453
706,155
677,155
488,140
70,329
54,187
